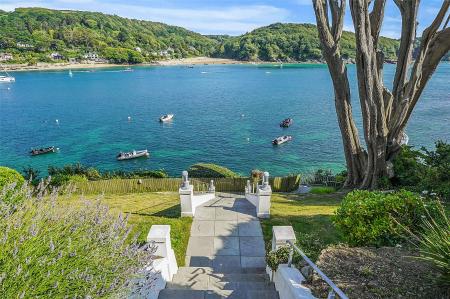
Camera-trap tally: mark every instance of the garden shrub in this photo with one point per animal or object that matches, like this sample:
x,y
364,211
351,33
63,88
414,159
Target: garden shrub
x,y
205,170
422,169
9,176
10,182
376,219
277,257
51,249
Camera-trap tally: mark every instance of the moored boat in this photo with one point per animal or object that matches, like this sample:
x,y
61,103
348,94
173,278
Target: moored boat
x,y
166,117
286,123
7,78
132,155
45,150
281,140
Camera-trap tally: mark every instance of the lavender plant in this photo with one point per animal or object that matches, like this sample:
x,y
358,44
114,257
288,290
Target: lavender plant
x,y
52,249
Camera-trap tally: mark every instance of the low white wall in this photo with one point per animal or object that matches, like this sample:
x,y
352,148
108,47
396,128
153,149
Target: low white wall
x,y
261,200
288,283
189,201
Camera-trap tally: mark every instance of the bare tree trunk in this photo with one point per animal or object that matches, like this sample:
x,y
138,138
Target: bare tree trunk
x,y
385,113
354,154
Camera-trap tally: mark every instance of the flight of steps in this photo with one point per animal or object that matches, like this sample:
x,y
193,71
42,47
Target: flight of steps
x,y
205,283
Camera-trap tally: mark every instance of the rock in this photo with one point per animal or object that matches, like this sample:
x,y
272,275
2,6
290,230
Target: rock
x,y
303,189
307,272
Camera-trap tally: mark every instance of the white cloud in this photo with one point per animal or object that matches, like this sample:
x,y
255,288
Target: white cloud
x,y
229,20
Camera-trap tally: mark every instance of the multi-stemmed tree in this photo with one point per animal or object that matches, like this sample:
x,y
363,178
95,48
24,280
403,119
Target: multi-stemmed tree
x,y
385,112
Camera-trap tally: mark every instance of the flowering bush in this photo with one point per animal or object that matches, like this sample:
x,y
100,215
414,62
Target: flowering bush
x,y
52,249
377,219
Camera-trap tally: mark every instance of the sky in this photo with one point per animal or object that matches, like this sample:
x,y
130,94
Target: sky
x,y
231,17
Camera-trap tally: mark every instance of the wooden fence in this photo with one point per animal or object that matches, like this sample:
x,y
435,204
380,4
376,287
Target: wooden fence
x,y
279,184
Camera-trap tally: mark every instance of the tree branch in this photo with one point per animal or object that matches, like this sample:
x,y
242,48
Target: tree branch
x,y
408,11
376,19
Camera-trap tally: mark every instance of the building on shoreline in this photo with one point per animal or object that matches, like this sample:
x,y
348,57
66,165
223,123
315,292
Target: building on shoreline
x,y
6,56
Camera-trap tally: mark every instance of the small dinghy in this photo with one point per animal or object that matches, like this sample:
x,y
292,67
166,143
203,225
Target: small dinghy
x,y
286,123
132,155
167,117
41,151
281,140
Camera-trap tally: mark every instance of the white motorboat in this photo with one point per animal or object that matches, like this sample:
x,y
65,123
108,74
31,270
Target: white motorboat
x,y
7,78
167,117
281,140
132,155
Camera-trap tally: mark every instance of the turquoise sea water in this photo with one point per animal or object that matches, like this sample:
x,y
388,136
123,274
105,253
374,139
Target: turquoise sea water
x,y
223,114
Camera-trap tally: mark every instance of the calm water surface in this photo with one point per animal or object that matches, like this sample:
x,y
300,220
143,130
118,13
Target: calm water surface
x,y
223,114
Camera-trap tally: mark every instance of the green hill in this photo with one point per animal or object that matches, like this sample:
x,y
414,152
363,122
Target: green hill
x,y
33,34
289,42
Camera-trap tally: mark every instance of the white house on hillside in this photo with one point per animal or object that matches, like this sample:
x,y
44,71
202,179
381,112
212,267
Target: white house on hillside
x,y
6,56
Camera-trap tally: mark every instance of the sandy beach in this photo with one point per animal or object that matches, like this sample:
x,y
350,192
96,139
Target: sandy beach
x,y
67,66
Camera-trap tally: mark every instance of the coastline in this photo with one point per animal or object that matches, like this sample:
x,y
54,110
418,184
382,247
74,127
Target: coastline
x,y
171,62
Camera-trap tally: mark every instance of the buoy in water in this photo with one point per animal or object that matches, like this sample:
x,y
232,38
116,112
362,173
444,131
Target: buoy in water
x,y
9,88
57,121
129,118
242,115
248,139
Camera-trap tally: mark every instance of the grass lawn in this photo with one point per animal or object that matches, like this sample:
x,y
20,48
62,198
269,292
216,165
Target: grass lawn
x,y
147,209
309,215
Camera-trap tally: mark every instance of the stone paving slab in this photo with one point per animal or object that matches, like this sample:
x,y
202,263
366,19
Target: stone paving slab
x,y
202,228
200,246
226,246
253,262
225,228
252,246
223,213
250,229
205,213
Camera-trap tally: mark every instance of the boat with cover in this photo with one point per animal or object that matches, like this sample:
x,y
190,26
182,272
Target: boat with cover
x,y
41,151
7,78
281,140
286,123
166,117
132,155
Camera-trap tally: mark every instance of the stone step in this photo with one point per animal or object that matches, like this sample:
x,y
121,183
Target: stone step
x,y
202,283
229,294
230,277
210,270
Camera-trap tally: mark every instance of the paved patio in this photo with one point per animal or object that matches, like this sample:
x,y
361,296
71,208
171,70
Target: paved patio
x,y
226,235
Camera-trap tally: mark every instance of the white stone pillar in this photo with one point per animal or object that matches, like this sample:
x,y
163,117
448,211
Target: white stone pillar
x,y
282,234
186,192
160,235
264,193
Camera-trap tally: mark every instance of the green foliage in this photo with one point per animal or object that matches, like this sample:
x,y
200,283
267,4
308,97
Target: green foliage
x,y
434,244
423,169
9,176
79,173
322,190
10,182
74,33
277,257
289,42
31,174
55,250
207,170
375,219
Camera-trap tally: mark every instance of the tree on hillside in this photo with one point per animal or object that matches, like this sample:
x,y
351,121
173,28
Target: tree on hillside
x,y
385,112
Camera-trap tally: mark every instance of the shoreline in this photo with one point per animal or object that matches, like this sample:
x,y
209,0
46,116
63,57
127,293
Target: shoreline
x,y
172,62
